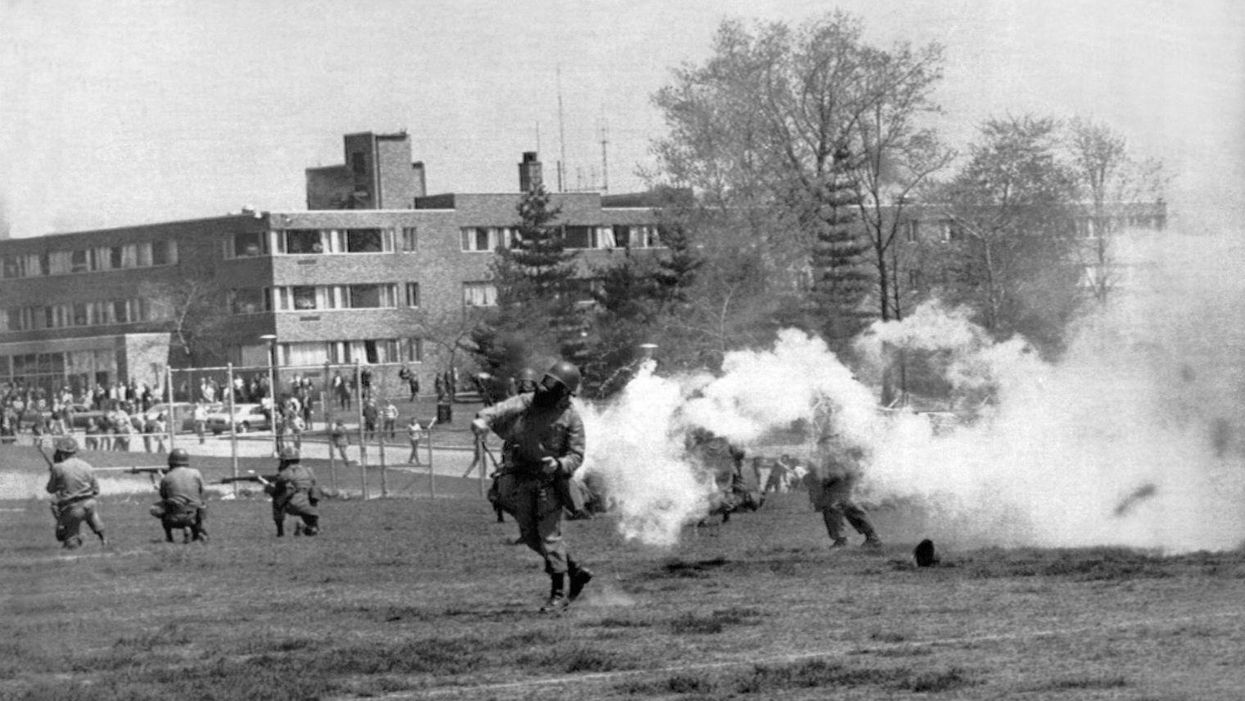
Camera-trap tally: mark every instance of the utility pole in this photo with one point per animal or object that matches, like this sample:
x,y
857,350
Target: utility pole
x,y
561,136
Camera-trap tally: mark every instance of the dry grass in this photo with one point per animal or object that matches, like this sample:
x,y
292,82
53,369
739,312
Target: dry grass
x,y
425,598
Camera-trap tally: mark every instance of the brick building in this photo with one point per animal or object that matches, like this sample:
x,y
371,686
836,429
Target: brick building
x,y
355,278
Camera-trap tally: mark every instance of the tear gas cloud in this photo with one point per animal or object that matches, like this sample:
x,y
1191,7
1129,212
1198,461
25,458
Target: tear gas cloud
x,y
1133,438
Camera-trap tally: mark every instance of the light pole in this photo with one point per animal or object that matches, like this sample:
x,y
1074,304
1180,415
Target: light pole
x,y
271,338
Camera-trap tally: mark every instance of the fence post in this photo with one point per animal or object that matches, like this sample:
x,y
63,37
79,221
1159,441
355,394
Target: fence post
x,y
358,395
432,473
233,437
174,423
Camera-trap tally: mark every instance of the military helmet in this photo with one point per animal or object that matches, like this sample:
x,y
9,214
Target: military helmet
x,y
526,380
66,445
565,373
178,457
289,454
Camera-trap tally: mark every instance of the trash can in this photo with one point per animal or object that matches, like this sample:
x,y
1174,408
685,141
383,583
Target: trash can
x,y
445,413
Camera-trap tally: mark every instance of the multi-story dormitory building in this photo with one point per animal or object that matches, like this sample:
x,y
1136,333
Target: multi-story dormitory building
x,y
351,279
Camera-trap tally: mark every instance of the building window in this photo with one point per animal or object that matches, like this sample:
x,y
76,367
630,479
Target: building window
x,y
628,236
410,238
14,267
303,241
577,236
479,294
412,294
486,238
364,241
914,230
247,244
303,297
163,252
415,350
247,300
80,261
358,163
370,296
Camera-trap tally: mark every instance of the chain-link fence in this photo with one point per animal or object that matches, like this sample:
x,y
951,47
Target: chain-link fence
x,y
370,429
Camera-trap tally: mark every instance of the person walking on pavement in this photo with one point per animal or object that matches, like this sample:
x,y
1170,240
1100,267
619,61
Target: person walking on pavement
x,y
340,440
543,442
182,501
72,484
414,432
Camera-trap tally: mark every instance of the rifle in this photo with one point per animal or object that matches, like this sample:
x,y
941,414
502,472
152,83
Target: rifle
x,y
249,477
137,469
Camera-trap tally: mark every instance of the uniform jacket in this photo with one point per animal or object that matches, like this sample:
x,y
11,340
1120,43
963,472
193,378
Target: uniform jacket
x,y
292,485
72,479
183,485
531,432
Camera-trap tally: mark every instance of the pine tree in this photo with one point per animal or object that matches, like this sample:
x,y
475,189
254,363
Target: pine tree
x,y
841,280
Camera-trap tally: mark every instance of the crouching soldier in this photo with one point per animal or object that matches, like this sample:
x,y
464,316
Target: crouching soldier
x,y
294,492
182,504
73,487
830,481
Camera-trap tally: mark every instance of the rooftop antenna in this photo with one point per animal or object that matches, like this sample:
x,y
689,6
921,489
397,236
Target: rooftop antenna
x,y
605,164
561,135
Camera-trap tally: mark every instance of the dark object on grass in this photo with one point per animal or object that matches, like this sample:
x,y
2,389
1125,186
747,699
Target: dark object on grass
x,y
924,553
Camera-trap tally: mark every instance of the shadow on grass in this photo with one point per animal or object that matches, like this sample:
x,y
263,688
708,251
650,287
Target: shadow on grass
x,y
768,680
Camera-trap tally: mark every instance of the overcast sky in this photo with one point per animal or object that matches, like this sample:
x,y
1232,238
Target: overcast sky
x,y
120,112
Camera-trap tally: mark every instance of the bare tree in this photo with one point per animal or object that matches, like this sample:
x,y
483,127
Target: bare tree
x,y
1110,179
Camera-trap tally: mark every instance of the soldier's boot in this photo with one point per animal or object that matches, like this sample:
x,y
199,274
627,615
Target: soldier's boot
x,y
311,525
168,535
838,543
580,576
201,535
557,598
872,541
280,528
298,528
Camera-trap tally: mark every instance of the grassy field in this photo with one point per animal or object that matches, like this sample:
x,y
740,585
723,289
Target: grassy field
x,y
426,598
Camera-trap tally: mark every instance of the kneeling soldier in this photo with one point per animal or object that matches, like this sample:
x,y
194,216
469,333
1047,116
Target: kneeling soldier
x,y
182,503
294,492
73,487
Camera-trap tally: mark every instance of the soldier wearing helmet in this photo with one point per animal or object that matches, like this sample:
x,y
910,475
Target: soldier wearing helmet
x,y
543,445
526,381
72,484
294,492
182,502
831,481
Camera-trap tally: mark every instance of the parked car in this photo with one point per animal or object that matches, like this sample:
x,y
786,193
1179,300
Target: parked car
x,y
246,417
180,415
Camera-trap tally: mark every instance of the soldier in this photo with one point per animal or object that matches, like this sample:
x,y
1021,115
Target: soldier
x,y
73,487
294,492
544,442
182,503
831,481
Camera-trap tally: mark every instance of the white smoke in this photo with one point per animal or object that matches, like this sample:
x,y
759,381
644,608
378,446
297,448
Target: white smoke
x,y
1133,438
636,443
1145,404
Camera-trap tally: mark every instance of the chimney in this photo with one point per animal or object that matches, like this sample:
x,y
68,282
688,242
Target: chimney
x,y
529,172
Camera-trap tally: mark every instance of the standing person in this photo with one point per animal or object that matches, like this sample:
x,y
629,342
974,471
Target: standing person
x,y
73,487
92,434
161,430
340,440
831,480
365,382
294,492
370,415
412,384
341,390
200,419
544,443
415,433
391,420
182,502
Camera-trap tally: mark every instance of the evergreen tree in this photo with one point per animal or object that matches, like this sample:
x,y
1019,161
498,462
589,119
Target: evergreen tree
x,y
841,280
